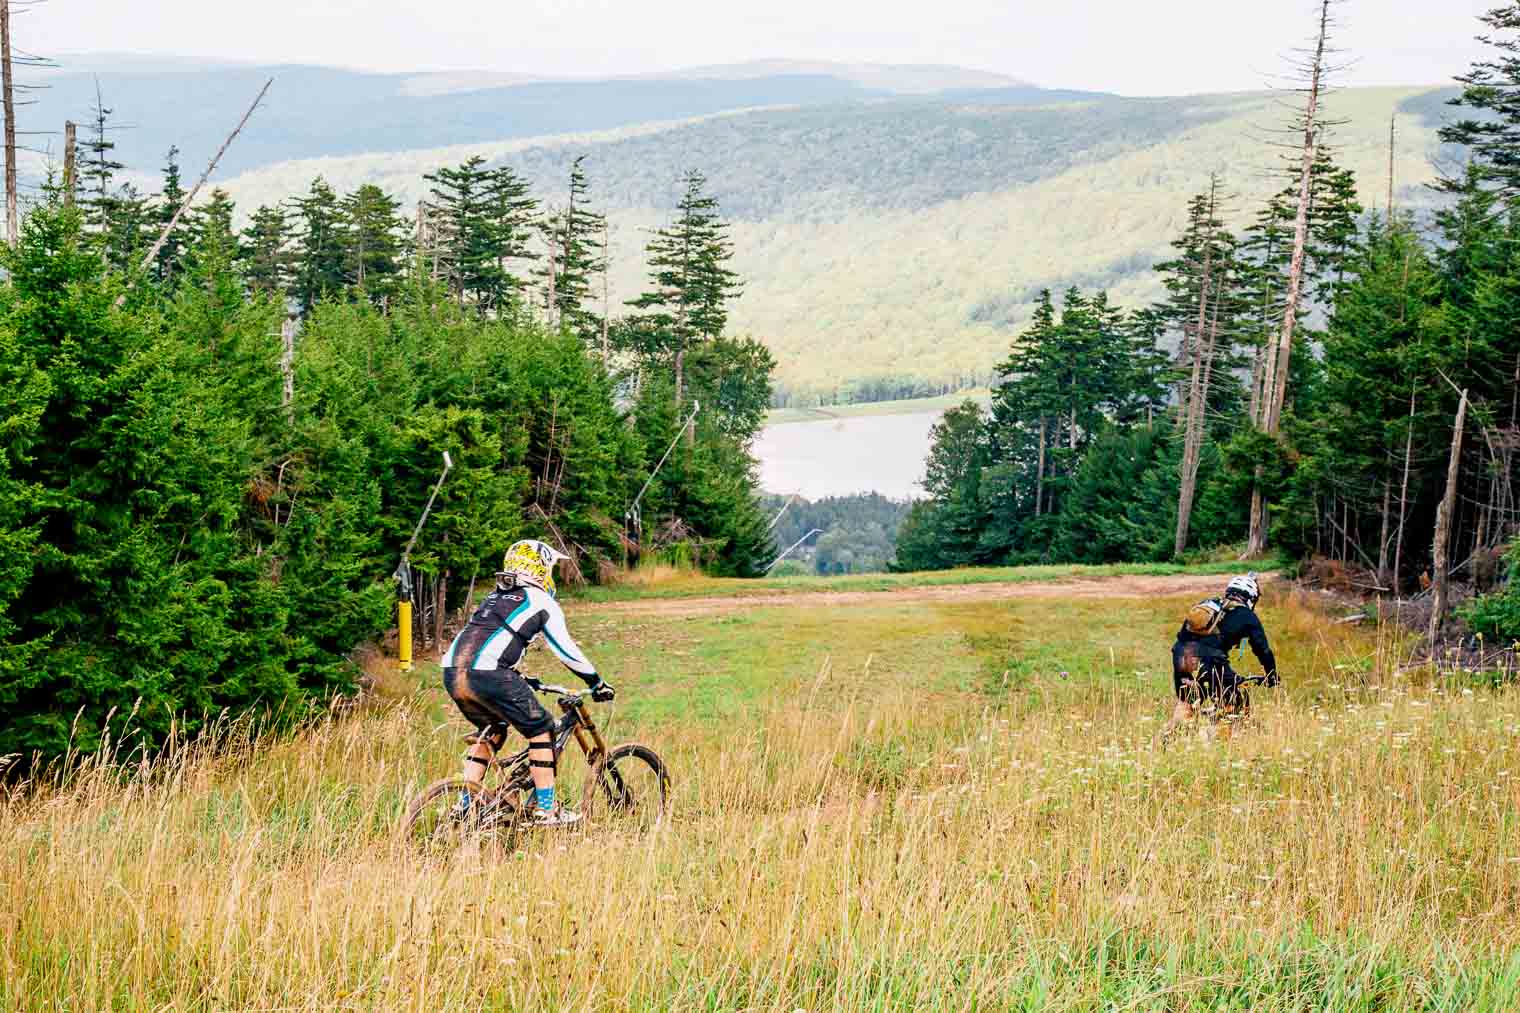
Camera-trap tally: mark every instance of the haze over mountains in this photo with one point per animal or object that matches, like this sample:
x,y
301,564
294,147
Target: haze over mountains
x,y
893,223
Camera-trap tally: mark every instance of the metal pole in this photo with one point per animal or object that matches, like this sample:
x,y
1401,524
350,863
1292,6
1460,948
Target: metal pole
x,y
784,508
403,576
634,506
788,552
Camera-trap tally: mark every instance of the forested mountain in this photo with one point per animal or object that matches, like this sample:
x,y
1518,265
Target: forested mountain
x,y
917,232
910,214
837,534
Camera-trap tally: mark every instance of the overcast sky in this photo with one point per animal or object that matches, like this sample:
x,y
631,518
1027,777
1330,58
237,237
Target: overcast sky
x,y
1139,47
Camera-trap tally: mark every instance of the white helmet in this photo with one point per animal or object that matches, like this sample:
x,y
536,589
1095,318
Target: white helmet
x,y
532,562
1245,588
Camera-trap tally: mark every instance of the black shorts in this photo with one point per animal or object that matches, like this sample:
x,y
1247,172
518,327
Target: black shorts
x,y
493,700
1213,674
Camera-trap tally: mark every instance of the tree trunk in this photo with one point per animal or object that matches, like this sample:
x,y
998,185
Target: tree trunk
x,y
606,299
1276,388
1382,567
7,86
70,163
1392,127
1039,481
1398,539
287,369
1198,388
1440,563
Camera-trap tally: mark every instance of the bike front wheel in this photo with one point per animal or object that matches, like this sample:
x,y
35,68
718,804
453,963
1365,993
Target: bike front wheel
x,y
629,787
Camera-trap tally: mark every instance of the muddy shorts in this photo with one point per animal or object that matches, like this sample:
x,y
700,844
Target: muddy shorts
x,y
493,700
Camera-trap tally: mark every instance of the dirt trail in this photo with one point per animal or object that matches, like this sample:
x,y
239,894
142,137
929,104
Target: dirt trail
x,y
1076,587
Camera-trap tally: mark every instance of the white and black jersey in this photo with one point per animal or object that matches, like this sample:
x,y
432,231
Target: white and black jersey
x,y
505,624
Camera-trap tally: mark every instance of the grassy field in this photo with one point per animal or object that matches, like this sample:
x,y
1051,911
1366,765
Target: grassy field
x,y
906,805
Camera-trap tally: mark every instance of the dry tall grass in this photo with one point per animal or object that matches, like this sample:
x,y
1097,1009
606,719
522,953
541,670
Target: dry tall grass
x,y
862,845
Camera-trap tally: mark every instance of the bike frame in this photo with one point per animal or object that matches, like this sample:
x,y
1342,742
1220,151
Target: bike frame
x,y
577,723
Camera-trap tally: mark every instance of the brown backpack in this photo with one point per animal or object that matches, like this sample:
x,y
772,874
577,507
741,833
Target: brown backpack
x,y
1203,619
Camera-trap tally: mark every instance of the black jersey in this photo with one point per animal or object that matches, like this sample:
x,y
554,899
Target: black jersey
x,y
506,622
1240,623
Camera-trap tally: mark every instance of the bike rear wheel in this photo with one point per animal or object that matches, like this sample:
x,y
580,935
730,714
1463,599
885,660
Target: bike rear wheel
x,y
629,788
437,822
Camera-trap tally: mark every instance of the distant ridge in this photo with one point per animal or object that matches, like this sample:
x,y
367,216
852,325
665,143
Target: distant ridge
x,y
900,79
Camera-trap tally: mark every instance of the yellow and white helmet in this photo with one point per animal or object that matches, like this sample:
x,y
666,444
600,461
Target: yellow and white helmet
x,y
532,562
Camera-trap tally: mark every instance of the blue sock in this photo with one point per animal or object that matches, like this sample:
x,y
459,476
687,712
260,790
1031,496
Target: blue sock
x,y
545,797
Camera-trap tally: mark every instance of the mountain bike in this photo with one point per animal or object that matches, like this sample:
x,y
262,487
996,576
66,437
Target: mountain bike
x,y
1227,706
627,786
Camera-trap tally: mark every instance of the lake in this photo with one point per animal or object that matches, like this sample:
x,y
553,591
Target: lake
x,y
837,457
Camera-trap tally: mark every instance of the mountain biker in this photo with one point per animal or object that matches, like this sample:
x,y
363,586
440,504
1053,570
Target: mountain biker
x,y
480,672
1211,630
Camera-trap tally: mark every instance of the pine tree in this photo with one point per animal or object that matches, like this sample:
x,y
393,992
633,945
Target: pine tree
x,y
690,278
267,257
574,238
1203,305
513,220
129,228
170,196
1491,89
319,252
484,220
373,244
97,172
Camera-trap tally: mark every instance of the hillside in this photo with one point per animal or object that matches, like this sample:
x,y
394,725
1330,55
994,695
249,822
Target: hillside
x,y
916,231
909,214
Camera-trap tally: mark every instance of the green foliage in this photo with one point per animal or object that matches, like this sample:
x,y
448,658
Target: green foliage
x,y
184,537
858,533
576,237
1497,615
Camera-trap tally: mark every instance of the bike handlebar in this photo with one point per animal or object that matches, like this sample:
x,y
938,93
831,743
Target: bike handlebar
x,y
545,687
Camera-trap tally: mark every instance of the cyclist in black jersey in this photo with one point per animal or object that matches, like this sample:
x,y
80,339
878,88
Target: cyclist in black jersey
x,y
1203,654
480,671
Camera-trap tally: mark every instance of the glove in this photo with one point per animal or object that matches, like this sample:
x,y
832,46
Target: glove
x,y
602,692
534,683
1273,680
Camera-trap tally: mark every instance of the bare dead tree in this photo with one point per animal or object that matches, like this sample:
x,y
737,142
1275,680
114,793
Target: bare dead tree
x,y
70,162
1440,564
287,368
168,228
1275,385
606,291
1198,388
7,85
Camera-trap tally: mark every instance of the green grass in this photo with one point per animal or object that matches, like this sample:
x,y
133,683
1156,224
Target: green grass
x,y
696,586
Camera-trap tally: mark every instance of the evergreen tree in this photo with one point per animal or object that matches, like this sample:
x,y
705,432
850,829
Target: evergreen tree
x,y
574,239
484,219
268,260
97,172
170,196
320,259
372,236
1491,90
691,281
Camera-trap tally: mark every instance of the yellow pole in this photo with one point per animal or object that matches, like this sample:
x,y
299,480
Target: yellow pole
x,y
404,634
